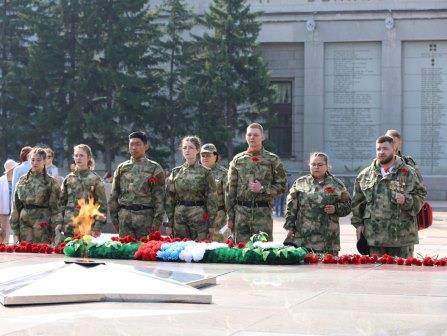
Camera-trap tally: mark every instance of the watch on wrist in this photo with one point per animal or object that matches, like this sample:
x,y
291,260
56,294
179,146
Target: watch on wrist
x,y
262,189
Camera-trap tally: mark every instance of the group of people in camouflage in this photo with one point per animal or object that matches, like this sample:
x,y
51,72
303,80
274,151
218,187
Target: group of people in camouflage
x,y
201,198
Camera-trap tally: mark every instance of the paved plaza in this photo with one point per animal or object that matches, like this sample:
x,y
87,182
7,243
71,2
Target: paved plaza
x,y
265,300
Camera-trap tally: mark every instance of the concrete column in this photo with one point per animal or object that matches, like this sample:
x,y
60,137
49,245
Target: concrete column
x,y
313,97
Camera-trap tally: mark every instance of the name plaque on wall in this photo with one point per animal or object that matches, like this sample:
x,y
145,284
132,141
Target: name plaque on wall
x,y
352,103
425,104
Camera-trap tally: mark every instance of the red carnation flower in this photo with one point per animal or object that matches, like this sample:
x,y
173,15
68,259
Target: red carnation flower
x,y
2,248
155,235
254,159
205,216
152,180
329,189
241,245
229,242
9,248
44,225
404,170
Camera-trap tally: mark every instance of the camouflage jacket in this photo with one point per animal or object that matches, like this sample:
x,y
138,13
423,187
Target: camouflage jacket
x,y
138,182
36,189
220,176
387,223
312,227
82,184
246,167
191,183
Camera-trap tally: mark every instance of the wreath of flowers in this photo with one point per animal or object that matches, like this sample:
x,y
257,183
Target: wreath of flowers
x,y
258,250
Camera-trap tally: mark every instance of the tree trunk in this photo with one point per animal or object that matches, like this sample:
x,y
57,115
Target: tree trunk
x,y
108,159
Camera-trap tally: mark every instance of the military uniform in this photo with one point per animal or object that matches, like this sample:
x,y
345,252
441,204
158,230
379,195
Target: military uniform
x,y
220,176
191,201
388,226
252,212
35,210
137,200
82,184
312,228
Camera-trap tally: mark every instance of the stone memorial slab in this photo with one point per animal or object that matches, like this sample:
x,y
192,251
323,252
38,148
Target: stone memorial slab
x,y
352,103
67,283
425,104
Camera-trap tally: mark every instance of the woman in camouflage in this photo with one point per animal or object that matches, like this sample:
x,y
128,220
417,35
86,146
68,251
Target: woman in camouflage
x,y
82,183
35,211
191,199
209,157
314,205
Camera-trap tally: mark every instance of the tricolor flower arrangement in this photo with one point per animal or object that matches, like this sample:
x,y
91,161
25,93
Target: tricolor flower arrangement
x,y
158,248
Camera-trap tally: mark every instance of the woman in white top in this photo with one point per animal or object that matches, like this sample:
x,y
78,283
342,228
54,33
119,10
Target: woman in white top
x,y
5,200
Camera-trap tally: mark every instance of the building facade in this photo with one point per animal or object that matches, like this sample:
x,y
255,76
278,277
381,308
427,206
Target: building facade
x,y
348,70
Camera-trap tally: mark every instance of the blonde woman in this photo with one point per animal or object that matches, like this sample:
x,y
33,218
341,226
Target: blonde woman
x,y
82,183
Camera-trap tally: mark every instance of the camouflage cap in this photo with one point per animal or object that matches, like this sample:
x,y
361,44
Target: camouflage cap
x,y
209,148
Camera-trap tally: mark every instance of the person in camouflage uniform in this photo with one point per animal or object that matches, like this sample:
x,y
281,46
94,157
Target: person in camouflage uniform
x,y
397,151
209,157
191,197
35,210
314,205
255,177
137,200
83,183
387,196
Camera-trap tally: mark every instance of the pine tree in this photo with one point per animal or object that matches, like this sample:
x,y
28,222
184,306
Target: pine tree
x,y
228,80
15,36
177,53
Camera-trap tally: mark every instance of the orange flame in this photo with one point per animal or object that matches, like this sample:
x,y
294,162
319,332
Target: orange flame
x,y
88,212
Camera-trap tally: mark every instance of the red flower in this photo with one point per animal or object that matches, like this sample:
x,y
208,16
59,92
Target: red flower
x,y
152,180
2,248
205,216
254,159
229,242
44,225
77,206
9,248
241,245
404,170
428,261
155,235
329,189
329,259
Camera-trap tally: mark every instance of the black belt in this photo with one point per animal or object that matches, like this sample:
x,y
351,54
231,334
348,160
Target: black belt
x,y
191,203
136,207
220,208
254,204
34,206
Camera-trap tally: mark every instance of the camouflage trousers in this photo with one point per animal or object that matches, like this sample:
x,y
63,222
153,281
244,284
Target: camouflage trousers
x,y
220,222
34,226
137,224
188,222
398,251
249,221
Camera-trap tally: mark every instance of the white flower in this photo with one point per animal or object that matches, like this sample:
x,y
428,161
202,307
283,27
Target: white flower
x,y
268,245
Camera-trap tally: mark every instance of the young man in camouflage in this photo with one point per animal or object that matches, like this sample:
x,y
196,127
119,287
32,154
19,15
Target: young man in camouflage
x,y
137,200
387,196
255,177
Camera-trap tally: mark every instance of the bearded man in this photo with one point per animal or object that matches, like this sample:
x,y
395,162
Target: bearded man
x,y
387,197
